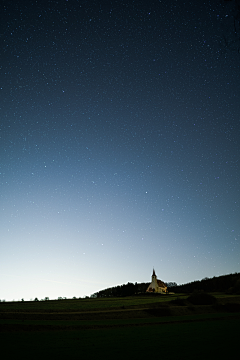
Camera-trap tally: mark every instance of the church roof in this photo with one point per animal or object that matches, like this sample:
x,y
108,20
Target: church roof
x,y
161,283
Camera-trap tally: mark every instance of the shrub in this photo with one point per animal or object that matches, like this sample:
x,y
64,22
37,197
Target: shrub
x,y
178,301
232,307
201,298
236,288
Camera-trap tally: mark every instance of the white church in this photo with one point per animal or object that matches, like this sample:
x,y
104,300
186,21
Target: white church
x,y
156,286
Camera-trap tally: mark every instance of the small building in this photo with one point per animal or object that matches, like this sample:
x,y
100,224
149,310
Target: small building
x,y
156,286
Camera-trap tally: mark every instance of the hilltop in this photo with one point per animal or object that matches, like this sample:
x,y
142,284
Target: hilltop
x,y
229,284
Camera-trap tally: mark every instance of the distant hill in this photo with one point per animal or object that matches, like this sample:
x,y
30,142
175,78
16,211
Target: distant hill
x,y
225,283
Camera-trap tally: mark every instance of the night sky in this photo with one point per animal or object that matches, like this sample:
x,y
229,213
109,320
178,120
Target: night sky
x,y
119,133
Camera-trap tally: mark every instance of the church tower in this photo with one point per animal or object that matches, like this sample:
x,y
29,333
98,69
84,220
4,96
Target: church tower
x,y
156,285
154,275
154,281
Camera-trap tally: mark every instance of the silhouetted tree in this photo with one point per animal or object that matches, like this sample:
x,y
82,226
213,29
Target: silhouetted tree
x,y
171,284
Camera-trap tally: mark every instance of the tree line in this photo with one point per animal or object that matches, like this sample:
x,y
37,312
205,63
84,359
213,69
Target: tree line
x,y
128,289
226,283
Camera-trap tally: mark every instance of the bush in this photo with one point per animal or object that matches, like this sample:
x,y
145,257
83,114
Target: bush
x,y
232,307
236,288
230,290
178,301
201,298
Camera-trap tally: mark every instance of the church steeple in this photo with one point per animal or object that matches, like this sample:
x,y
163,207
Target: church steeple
x,y
154,274
156,286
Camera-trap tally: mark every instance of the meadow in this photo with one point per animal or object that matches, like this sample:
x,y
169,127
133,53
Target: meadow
x,y
133,327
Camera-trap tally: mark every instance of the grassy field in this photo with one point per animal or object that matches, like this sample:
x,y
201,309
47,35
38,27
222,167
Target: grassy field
x,y
131,328
85,304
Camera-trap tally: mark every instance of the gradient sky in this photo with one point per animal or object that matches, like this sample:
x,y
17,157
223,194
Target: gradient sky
x,y
119,144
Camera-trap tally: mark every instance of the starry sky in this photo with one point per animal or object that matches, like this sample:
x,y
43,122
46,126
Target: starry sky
x,y
119,129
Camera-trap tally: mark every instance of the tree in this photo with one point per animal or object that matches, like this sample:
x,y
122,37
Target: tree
x,y
171,284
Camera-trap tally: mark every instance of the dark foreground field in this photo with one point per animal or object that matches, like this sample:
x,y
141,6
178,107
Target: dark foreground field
x,y
130,328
